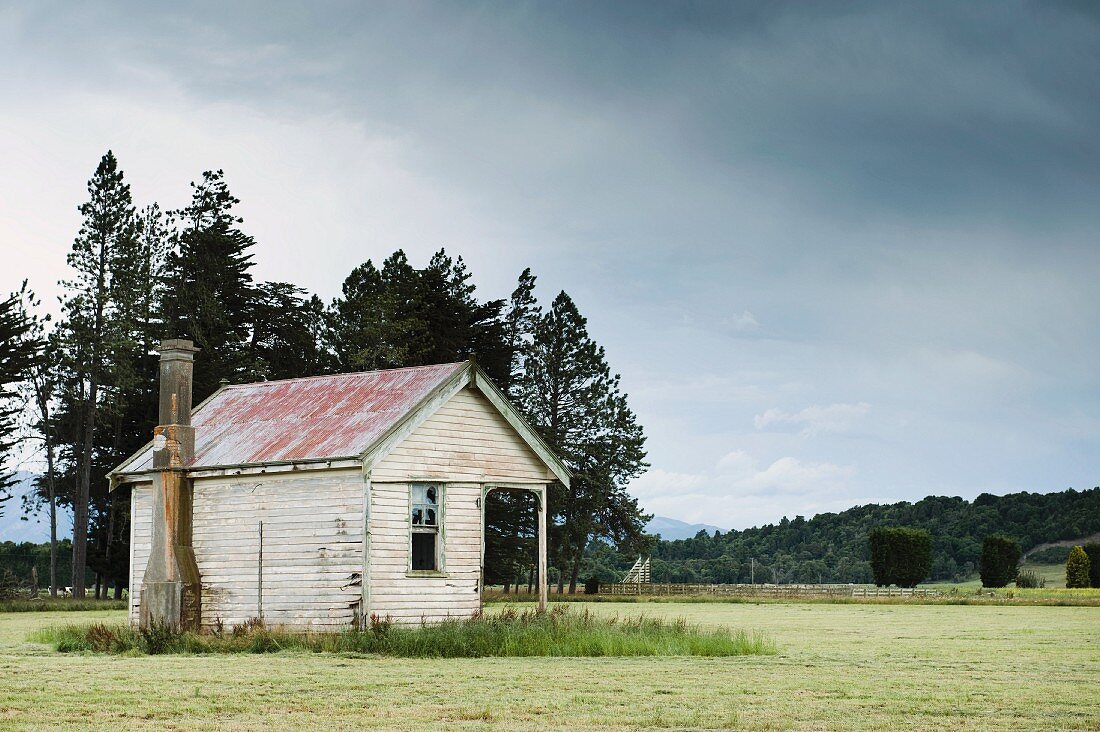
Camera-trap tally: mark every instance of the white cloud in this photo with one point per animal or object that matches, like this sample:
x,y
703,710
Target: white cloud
x,y
744,322
738,492
815,419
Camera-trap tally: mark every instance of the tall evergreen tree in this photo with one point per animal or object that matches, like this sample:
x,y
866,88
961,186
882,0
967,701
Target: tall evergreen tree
x,y
520,318
40,386
454,325
401,316
570,395
286,332
509,516
20,350
106,236
209,295
369,324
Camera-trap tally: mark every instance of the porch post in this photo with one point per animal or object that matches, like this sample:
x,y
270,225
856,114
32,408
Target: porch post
x,y
543,579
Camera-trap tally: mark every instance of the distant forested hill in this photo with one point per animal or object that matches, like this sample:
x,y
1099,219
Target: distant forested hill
x,y
832,547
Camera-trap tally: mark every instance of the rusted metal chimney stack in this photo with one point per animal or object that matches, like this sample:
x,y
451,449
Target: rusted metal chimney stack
x,y
171,587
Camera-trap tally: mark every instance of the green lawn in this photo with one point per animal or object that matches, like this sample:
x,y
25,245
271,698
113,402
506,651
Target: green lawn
x,y
839,667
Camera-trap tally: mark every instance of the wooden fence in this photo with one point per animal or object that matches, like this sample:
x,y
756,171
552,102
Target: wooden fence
x,y
657,588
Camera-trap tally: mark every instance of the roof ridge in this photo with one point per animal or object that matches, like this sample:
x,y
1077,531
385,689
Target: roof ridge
x,y
344,374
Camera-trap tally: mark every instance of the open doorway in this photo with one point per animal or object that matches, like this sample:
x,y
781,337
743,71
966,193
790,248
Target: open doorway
x,y
511,541
507,523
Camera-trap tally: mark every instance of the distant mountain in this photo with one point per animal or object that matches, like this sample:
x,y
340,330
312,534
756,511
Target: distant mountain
x,y
672,529
36,527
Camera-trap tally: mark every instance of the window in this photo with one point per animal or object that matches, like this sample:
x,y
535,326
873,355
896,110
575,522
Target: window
x,y
424,504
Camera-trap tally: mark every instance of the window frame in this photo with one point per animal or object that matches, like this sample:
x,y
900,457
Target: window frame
x,y
437,530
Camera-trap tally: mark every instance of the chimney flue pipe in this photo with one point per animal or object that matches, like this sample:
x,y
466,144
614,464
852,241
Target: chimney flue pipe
x,y
171,587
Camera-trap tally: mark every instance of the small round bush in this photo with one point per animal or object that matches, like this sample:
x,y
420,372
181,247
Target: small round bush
x,y
1029,578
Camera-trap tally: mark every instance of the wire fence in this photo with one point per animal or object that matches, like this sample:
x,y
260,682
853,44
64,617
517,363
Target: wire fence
x,y
762,590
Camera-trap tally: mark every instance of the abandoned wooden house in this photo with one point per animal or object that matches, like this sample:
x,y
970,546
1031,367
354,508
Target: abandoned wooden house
x,y
314,503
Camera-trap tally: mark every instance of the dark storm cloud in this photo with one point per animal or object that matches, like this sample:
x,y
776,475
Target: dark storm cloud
x,y
773,213
932,109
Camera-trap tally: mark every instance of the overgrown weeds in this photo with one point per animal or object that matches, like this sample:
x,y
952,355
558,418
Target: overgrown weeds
x,y
511,633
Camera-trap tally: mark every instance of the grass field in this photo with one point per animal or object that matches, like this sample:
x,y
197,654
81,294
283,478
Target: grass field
x,y
839,667
1054,574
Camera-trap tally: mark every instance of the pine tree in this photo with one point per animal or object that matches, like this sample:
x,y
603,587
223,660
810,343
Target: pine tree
x,y
569,393
401,316
509,518
107,232
521,317
454,325
368,325
20,350
286,333
40,386
209,296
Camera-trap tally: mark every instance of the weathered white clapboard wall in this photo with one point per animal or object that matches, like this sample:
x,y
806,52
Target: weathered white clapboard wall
x,y
141,537
466,440
312,548
464,445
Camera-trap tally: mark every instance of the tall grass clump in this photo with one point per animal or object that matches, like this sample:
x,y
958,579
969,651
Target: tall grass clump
x,y
560,632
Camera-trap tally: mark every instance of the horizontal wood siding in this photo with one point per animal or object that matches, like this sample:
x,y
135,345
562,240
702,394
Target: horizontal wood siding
x,y
466,440
312,548
465,444
141,538
407,599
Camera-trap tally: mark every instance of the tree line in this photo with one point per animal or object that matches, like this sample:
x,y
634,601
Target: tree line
x,y
82,389
834,547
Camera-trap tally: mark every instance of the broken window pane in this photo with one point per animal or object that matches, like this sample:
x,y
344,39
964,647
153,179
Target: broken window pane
x,y
423,503
424,499
423,551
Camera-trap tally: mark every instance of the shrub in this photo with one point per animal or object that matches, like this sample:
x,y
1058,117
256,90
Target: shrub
x,y
1093,552
1000,560
1077,568
592,586
900,556
1030,579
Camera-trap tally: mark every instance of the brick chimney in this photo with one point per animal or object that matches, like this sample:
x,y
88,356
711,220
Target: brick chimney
x,y
171,587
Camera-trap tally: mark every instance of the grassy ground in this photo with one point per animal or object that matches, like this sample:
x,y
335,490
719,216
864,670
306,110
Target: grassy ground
x,y
839,667
1054,574
45,602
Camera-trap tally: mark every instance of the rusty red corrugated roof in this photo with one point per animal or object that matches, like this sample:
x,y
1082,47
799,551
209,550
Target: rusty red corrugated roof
x,y
313,418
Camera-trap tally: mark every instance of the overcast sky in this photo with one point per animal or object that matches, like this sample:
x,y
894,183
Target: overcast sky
x,y
840,252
